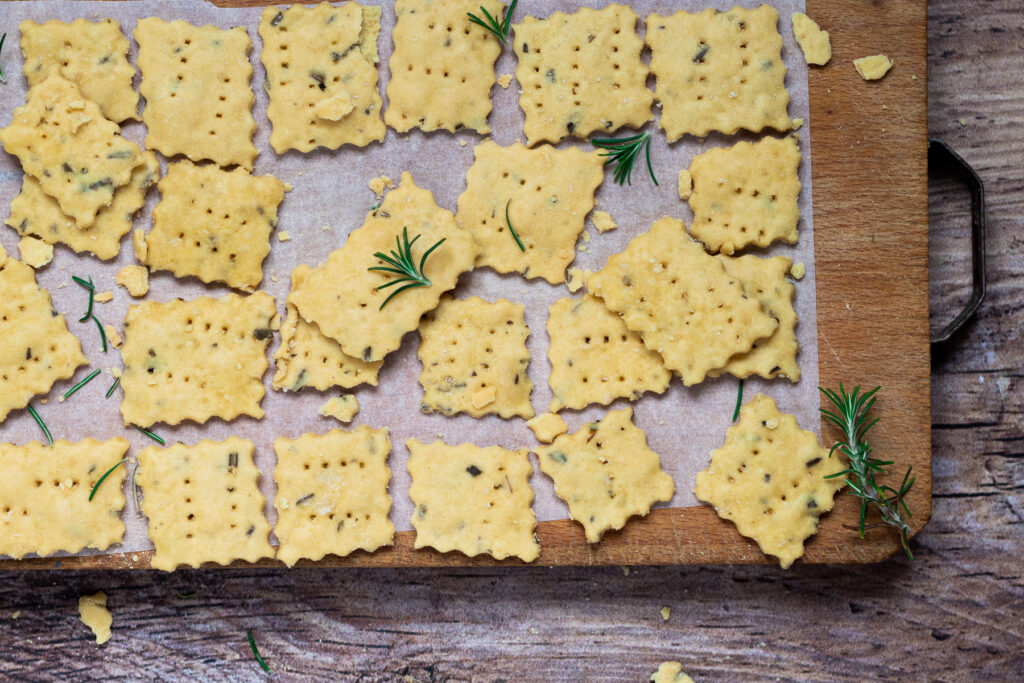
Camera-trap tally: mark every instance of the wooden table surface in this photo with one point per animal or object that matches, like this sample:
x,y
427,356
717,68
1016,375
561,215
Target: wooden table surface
x,y
955,613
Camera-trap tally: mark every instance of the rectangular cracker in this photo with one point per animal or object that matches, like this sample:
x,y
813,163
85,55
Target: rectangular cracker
x,y
606,473
769,480
548,193
341,296
746,195
196,83
92,55
77,155
719,71
320,59
472,499
213,224
203,503
442,68
36,349
332,494
475,359
193,360
581,73
44,501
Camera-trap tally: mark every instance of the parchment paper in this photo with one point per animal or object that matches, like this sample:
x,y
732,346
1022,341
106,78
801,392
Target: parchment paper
x,y
683,425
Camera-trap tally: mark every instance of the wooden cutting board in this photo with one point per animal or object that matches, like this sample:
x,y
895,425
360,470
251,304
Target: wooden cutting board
x,y
870,181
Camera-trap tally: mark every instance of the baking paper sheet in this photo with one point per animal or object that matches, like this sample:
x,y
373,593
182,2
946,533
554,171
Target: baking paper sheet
x,y
330,199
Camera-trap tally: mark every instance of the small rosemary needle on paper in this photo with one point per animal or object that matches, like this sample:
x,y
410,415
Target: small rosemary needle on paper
x,y
401,262
511,229
623,152
492,24
739,402
90,377
113,386
151,435
88,285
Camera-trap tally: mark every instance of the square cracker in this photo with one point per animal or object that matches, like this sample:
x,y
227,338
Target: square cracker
x,y
193,360
606,473
77,155
341,296
548,192
746,195
213,224
769,480
719,71
581,73
472,499
442,69
681,301
475,359
36,349
203,503
44,502
196,84
332,494
595,358
92,55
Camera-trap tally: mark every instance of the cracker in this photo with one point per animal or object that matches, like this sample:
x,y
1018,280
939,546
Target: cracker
x,y
92,55
606,473
341,296
874,67
442,68
681,301
34,252
603,221
670,672
213,224
196,84
719,71
472,499
193,360
581,73
746,195
769,480
332,494
595,358
341,408
36,349
685,184
44,501
814,42
135,279
548,193
547,426
321,76
92,610
64,142
203,503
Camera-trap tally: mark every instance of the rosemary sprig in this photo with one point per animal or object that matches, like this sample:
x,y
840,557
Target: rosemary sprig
x,y
3,79
42,425
113,386
851,417
513,230
492,24
256,652
739,401
91,288
90,377
401,262
623,152
105,475
151,435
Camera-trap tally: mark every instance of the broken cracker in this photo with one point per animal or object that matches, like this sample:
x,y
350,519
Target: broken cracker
x,y
341,408
135,279
547,426
603,221
34,252
92,610
670,672
813,41
685,184
874,67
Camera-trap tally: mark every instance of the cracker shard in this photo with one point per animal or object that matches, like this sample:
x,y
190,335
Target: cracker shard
x,y
606,473
814,42
92,610
874,67
670,672
769,480
681,301
341,408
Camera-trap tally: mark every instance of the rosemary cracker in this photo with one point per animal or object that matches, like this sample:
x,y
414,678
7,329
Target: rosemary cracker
x,y
332,494
814,42
203,503
341,408
44,502
322,75
670,672
606,473
547,426
472,499
581,73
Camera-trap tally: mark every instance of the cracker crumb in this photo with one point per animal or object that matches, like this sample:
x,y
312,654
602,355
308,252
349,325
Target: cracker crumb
x,y
462,143
335,108
288,187
113,337
547,426
378,185
665,612
505,80
625,571
16,614
326,228
586,236
103,297
93,612
115,372
341,408
813,41
284,236
35,252
685,184
874,67
603,221
534,630
139,245
135,279
798,123
962,122
798,270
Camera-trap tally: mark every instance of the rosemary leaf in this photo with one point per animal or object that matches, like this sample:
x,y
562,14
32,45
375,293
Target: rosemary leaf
x,y
90,377
103,334
511,229
491,23
113,386
151,435
623,152
401,262
42,425
256,652
739,402
105,475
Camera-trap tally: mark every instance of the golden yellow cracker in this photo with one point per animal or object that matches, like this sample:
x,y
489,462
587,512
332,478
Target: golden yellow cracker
x,y
814,42
581,73
92,55
213,224
321,81
135,279
34,252
769,480
719,71
685,184
196,84
92,610
595,358
874,67
64,142
36,349
44,500
475,359
575,279
341,408
193,360
681,301
670,672
472,499
442,69
746,195
603,221
548,193
203,503
341,296
332,494
606,473
547,426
